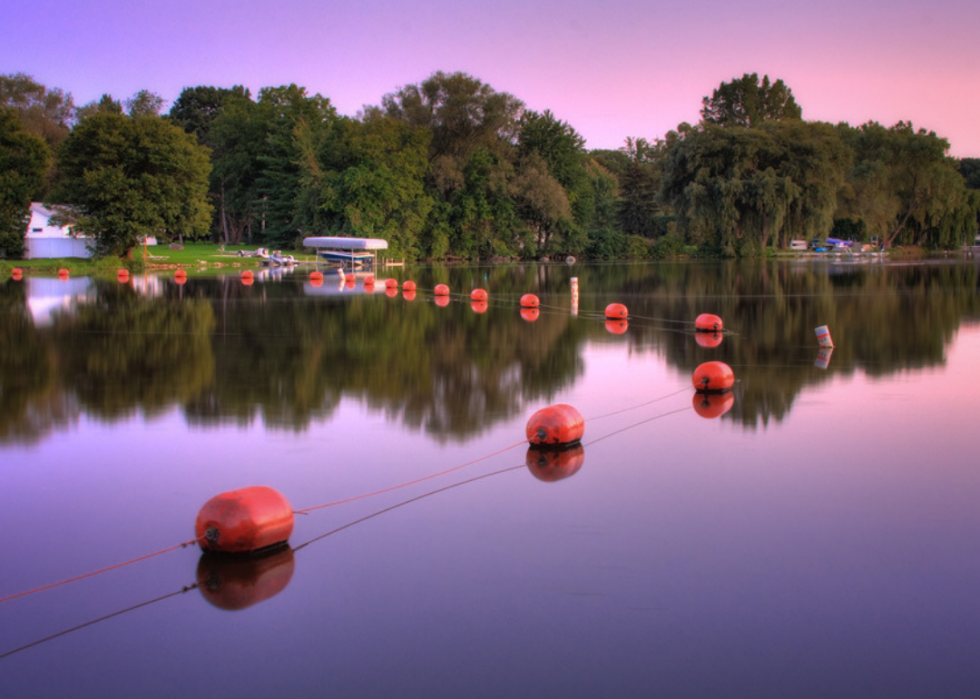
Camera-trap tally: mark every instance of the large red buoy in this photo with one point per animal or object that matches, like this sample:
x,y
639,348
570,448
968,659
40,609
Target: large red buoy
x,y
478,295
479,306
708,323
244,520
616,311
550,465
712,405
530,301
391,283
441,290
617,327
713,377
530,314
555,425
238,582
408,286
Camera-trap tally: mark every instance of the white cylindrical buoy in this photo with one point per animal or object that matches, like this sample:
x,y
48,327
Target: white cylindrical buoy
x,y
823,336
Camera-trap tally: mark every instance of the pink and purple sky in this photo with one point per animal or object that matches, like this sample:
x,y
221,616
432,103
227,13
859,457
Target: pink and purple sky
x,y
611,68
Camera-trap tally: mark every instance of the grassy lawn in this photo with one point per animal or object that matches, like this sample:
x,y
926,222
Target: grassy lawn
x,y
196,258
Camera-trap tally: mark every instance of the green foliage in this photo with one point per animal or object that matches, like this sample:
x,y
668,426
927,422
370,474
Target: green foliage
x,y
747,102
23,163
128,178
46,113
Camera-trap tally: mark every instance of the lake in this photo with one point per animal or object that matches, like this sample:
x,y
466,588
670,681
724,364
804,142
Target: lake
x,y
812,533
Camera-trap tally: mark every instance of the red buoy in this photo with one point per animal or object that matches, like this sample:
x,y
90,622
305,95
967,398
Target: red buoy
x,y
369,280
530,314
238,582
617,327
17,274
479,306
244,520
713,377
408,286
530,301
478,295
350,278
442,301
247,274
63,274
555,425
391,283
409,295
180,274
349,283
316,276
441,290
316,281
248,281
616,311
708,323
550,465
391,291
712,405
708,340
122,275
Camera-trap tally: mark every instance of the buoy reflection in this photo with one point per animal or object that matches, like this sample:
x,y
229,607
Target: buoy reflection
x,y
708,340
712,405
550,465
236,582
530,314
617,327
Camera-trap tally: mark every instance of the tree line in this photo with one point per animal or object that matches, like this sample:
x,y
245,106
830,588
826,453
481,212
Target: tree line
x,y
451,168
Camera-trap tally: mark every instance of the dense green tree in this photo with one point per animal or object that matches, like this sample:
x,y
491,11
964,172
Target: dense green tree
x,y
196,109
236,137
23,163
127,178
746,101
44,112
106,104
144,103
970,169
639,185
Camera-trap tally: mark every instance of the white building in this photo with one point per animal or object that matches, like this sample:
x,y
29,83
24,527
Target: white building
x,y
45,240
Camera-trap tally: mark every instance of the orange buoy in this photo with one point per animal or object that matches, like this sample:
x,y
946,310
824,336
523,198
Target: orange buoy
x,y
708,340
530,314
349,283
391,292
713,377
530,301
708,323
122,275
316,275
442,301
550,465
479,306
478,295
616,311
369,280
238,582
248,281
316,281
616,327
247,274
350,278
555,425
712,405
244,520
391,283
17,274
409,295
408,286
441,290
63,273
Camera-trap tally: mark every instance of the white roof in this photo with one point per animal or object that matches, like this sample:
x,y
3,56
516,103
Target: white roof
x,y
340,243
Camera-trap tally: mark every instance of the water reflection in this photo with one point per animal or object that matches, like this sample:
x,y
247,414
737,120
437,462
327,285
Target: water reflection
x,y
287,351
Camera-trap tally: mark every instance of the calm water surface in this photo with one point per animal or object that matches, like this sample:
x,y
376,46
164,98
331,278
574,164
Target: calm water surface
x,y
813,534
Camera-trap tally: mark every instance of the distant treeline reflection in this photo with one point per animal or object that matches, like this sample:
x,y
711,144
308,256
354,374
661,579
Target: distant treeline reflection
x,y
226,354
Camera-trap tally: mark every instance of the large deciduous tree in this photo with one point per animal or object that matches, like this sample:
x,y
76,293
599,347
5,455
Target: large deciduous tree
x,y
23,162
127,178
746,101
44,112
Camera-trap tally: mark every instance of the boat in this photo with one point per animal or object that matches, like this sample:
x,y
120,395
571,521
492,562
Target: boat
x,y
349,252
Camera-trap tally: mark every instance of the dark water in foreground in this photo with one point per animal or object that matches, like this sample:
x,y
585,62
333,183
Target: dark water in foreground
x,y
815,533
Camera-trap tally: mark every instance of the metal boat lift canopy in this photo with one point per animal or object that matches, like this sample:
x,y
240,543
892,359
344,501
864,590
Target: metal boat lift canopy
x,y
351,251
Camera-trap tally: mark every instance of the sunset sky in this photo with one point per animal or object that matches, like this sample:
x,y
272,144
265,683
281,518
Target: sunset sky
x,y
611,69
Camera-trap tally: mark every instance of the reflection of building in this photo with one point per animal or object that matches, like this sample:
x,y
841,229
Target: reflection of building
x,y
46,297
46,240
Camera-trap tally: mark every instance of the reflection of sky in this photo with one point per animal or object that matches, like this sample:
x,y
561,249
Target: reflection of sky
x,y
833,553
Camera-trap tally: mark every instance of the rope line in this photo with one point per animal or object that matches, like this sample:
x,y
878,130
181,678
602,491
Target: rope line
x,y
408,483
98,572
